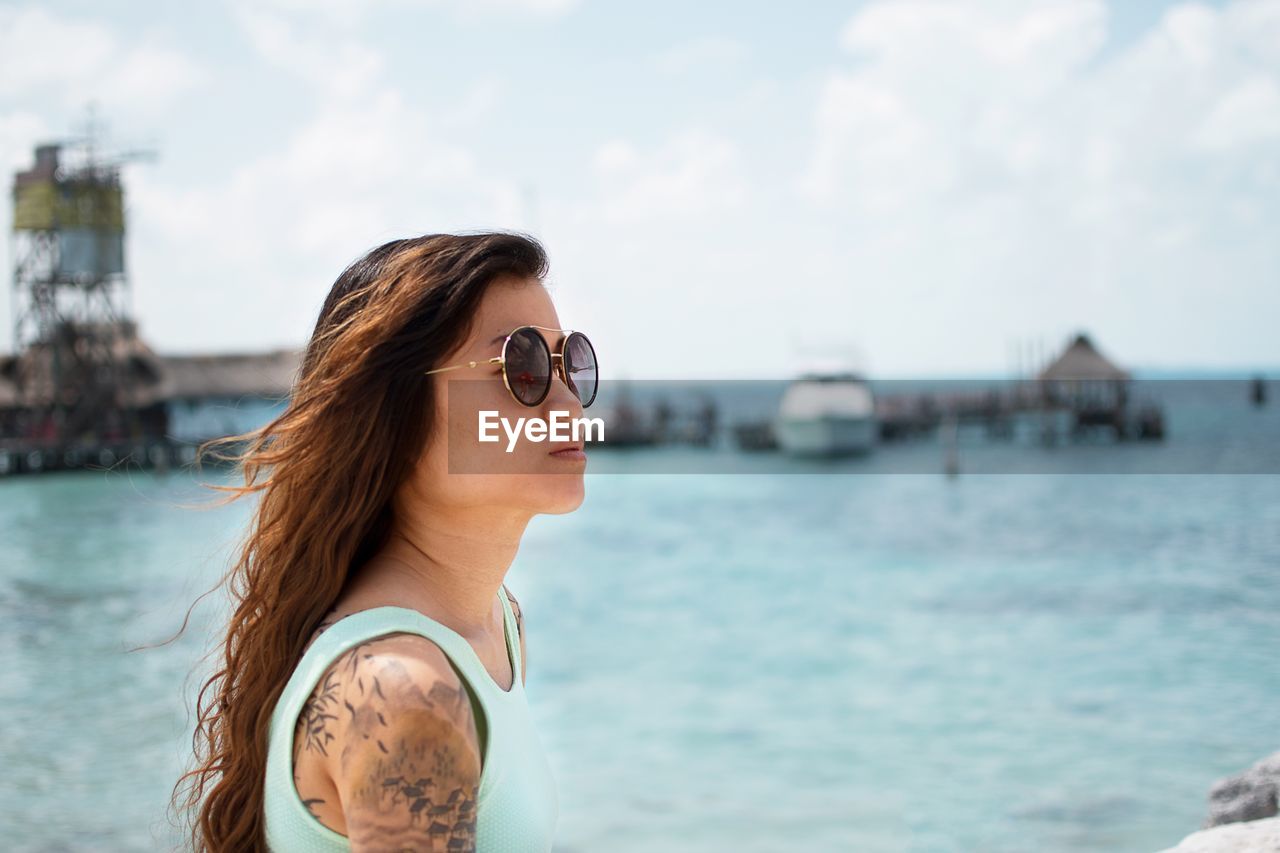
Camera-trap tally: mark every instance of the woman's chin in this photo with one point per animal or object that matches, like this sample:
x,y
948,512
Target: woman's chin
x,y
556,494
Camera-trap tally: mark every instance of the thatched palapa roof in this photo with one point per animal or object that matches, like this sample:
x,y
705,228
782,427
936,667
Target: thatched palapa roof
x,y
1081,360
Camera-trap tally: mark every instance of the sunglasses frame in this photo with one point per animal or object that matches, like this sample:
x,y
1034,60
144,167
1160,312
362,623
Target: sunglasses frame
x,y
554,356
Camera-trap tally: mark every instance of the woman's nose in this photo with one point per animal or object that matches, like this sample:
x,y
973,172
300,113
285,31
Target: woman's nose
x,y
561,398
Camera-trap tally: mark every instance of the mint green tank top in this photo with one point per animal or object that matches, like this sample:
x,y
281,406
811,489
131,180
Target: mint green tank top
x,y
517,803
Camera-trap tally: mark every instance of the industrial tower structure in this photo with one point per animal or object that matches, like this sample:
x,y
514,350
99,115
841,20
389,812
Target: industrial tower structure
x,y
79,371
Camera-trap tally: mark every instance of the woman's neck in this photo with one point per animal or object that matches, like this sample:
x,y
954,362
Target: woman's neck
x,y
449,568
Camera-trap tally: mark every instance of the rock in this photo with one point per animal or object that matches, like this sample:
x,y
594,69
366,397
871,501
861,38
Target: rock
x,y
1247,796
1254,836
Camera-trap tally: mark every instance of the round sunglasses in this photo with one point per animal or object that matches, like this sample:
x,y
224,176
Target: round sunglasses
x,y
528,365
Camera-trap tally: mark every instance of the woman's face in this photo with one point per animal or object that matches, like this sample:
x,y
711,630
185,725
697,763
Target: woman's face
x,y
457,468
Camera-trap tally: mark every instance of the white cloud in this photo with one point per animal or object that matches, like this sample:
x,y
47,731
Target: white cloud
x,y
993,150
326,43
614,157
477,8
29,60
152,73
717,52
337,65
19,133
478,102
78,61
1001,94
972,170
871,143
367,165
279,229
1248,115
692,174
347,13
942,90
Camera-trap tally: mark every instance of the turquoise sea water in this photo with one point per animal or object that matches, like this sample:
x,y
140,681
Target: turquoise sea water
x,y
746,662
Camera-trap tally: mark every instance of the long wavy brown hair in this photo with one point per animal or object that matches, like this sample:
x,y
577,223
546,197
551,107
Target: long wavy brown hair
x,y
357,419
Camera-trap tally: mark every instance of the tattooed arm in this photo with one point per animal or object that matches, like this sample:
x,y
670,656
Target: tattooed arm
x,y
408,763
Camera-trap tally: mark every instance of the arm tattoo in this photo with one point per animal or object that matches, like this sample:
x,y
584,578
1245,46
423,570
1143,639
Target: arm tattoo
x,y
408,771
315,726
320,711
317,714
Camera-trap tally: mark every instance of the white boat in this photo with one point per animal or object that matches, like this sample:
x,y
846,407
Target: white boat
x,y
830,413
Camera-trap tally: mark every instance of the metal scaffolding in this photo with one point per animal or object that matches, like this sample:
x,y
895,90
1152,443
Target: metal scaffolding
x,y
76,370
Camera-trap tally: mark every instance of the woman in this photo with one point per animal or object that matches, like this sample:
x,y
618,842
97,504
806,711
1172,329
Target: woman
x,y
371,693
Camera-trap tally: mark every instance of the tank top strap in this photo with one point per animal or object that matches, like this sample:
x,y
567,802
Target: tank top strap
x,y
513,633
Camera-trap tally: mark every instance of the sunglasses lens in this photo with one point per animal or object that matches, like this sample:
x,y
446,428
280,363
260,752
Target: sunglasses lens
x,y
580,367
528,366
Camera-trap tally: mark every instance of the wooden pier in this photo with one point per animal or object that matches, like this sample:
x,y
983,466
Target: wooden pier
x,y
1080,394
137,429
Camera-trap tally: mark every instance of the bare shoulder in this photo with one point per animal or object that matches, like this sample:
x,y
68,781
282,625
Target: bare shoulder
x,y
401,745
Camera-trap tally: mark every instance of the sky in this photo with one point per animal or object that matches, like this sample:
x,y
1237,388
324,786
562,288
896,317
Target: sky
x,y
923,188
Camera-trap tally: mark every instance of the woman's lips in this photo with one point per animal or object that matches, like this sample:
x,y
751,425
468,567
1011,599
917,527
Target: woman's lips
x,y
573,451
